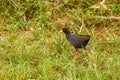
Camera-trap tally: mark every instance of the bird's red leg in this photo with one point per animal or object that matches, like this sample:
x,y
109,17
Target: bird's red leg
x,y
76,53
87,51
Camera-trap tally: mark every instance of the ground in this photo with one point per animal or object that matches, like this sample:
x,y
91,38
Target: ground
x,y
32,45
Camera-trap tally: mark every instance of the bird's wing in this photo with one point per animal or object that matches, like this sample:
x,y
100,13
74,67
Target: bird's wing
x,y
82,38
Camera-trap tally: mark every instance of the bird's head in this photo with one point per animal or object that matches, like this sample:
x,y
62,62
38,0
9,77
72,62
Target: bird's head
x,y
65,30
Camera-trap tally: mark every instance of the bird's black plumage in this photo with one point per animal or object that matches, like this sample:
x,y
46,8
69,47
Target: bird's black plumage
x,y
78,41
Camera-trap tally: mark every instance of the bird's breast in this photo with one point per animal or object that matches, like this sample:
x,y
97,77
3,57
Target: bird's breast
x,y
73,40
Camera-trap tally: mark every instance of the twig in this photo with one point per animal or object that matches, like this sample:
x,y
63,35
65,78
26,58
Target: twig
x,y
104,17
82,23
113,42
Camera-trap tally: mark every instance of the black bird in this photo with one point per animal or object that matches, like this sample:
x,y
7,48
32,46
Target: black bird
x,y
78,41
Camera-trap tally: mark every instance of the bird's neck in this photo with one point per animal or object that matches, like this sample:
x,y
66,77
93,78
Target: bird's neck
x,y
67,34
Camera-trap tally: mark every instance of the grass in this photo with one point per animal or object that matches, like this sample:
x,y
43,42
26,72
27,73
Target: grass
x,y
32,45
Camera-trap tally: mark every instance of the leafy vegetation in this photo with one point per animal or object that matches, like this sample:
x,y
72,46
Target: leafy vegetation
x,y
32,45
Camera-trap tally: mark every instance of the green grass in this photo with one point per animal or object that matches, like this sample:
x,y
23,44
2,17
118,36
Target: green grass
x,y
32,45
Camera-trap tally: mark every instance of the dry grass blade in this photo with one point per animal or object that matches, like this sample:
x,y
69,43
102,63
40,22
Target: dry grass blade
x,y
100,4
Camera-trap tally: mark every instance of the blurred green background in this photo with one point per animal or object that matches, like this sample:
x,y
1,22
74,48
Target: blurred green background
x,y
32,46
